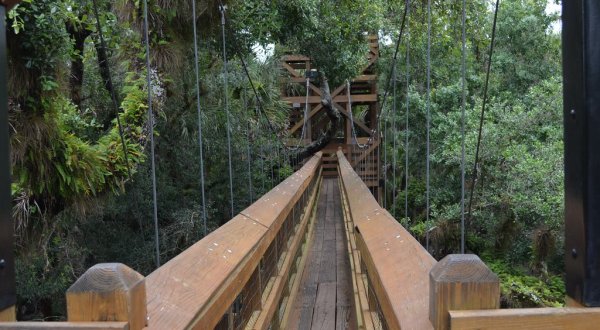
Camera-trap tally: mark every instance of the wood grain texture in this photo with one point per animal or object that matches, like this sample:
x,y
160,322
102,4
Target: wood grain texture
x,y
324,314
527,318
318,300
398,266
8,314
64,325
108,292
461,282
270,306
196,288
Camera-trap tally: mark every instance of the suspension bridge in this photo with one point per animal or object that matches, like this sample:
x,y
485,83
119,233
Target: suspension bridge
x,y
320,250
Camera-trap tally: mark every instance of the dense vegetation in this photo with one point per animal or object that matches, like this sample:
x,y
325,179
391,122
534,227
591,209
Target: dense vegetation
x,y
75,204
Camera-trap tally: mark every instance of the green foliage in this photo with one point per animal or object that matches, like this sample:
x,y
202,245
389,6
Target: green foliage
x,y
519,290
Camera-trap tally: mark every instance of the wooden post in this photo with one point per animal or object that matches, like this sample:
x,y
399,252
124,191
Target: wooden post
x,y
108,292
460,282
8,315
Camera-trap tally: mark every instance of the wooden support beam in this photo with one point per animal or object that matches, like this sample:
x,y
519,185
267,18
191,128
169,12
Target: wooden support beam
x,y
64,325
460,282
396,263
526,318
358,123
295,58
108,292
8,314
291,70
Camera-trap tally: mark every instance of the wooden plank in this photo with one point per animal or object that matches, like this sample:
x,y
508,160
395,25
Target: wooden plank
x,y
271,304
527,318
324,314
291,317
64,325
398,266
291,70
295,58
203,281
108,292
8,315
461,282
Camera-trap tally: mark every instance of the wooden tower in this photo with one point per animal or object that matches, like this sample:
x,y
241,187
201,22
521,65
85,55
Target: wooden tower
x,y
363,98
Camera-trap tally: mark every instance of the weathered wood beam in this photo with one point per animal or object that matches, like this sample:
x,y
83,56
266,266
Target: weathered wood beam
x,y
64,325
526,318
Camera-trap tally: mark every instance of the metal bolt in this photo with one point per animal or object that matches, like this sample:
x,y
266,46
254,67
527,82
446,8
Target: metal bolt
x,y
572,113
574,253
2,263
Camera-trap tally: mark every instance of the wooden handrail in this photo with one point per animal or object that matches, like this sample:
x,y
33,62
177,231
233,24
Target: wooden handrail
x,y
235,276
395,263
196,288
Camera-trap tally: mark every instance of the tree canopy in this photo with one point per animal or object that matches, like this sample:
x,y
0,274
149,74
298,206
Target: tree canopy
x,y
75,204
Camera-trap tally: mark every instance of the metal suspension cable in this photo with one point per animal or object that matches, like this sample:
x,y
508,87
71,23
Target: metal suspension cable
x,y
226,103
352,129
428,101
394,135
110,86
406,131
199,110
485,93
151,124
385,165
304,125
249,156
260,109
398,41
462,155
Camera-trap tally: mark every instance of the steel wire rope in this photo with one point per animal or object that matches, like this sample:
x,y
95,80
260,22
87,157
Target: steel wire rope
x,y
222,9
151,124
394,137
199,110
110,86
463,106
428,106
485,94
406,128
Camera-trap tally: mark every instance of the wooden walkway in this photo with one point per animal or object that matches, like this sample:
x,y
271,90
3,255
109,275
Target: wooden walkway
x,y
325,297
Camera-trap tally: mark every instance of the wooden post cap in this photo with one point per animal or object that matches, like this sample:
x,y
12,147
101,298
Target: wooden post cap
x,y
461,282
108,292
9,3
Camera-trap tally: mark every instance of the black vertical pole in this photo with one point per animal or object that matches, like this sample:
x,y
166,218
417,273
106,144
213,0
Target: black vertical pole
x,y
581,73
7,262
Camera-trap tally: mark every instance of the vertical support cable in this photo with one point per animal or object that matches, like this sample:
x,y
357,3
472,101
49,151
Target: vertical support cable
x,y
485,93
462,159
110,86
226,103
249,156
8,296
428,101
384,164
199,110
394,135
151,123
406,129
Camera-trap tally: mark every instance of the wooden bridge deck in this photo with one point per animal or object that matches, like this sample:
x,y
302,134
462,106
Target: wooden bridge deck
x,y
325,297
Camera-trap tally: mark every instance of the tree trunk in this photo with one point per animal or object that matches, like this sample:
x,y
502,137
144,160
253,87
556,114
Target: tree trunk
x,y
334,117
78,35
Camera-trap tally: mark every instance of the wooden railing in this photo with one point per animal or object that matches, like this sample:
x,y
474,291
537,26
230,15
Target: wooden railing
x,y
391,269
398,285
243,274
239,276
